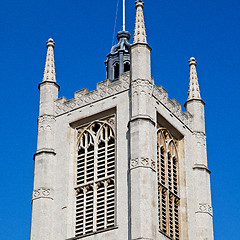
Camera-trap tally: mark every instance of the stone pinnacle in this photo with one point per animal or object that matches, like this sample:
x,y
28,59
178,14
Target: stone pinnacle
x,y
49,70
193,88
140,30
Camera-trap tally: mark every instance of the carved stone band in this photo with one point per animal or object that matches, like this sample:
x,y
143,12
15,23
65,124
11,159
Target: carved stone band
x,y
204,208
200,135
42,193
143,162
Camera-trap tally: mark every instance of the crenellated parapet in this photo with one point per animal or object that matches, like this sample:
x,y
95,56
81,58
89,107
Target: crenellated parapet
x,y
172,105
108,88
83,97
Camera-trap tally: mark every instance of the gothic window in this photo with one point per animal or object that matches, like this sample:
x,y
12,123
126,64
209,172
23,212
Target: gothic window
x,y
95,190
168,192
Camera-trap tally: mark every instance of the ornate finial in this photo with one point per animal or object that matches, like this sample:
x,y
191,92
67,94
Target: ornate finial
x,y
193,88
192,60
50,42
49,70
140,30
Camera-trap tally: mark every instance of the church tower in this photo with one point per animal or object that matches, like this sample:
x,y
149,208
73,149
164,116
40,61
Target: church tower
x,y
122,162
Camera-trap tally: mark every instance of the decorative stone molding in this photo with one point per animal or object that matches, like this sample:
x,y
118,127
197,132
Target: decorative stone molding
x,y
204,208
143,162
142,117
199,135
42,193
109,88
201,167
172,105
45,123
45,118
142,86
111,121
84,97
44,150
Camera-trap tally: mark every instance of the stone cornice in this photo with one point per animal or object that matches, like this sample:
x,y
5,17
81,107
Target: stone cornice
x,y
201,167
134,45
194,100
142,117
44,150
46,82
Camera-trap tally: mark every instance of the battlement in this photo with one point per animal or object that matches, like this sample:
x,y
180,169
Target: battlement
x,y
161,94
84,97
109,88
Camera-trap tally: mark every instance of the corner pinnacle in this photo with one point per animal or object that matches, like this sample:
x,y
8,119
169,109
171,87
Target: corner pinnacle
x,y
193,88
49,70
140,30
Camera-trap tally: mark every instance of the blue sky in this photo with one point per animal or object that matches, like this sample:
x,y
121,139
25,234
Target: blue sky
x,y
83,32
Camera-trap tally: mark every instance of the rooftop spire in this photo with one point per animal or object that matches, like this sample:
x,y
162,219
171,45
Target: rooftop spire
x,y
193,88
140,30
49,70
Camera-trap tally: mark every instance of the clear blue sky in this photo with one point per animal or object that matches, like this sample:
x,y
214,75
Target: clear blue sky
x,y
83,31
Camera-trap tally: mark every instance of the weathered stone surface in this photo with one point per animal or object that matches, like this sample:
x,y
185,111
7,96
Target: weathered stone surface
x,y
137,110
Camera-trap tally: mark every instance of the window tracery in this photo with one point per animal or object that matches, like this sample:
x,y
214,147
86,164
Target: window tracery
x,y
95,190
168,191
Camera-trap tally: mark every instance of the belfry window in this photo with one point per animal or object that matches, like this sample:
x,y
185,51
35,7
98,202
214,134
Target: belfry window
x,y
95,190
126,66
168,192
116,71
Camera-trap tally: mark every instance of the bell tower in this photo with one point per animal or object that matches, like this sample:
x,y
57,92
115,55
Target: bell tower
x,y
123,161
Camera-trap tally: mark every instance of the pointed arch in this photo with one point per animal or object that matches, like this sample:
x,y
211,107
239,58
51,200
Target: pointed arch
x,y
167,171
95,205
173,148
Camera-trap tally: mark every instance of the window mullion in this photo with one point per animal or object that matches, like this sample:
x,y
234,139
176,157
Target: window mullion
x,y
167,212
174,199
105,182
84,209
105,204
95,185
159,207
172,167
85,163
106,153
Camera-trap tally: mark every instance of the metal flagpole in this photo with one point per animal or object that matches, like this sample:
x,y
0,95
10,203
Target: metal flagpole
x,y
124,15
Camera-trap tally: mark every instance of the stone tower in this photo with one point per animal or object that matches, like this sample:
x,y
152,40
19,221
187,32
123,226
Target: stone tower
x,y
123,161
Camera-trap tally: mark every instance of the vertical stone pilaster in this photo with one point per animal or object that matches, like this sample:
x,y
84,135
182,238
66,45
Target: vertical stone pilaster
x,y
45,159
142,129
203,208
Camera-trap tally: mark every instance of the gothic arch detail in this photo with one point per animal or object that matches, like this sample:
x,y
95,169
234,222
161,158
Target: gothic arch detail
x,y
168,186
95,190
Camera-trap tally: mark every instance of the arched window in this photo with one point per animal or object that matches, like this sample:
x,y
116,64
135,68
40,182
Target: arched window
x,y
168,192
116,71
126,66
95,190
